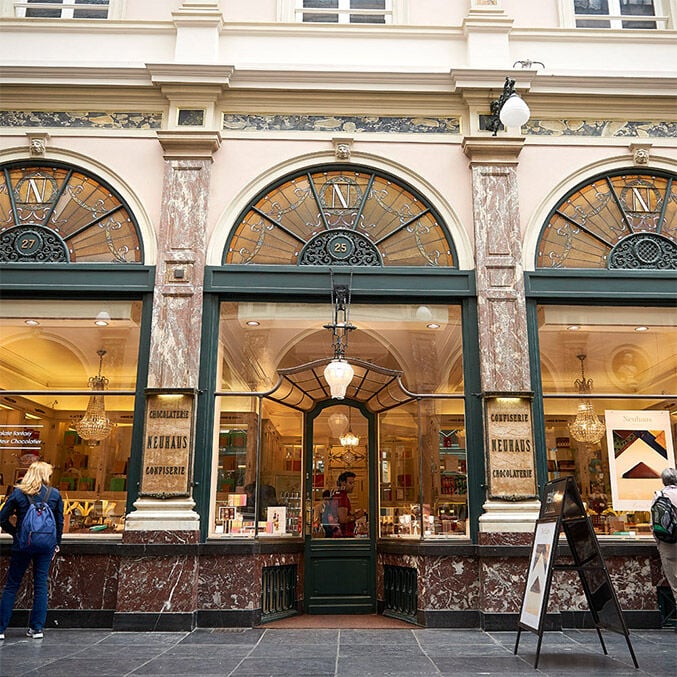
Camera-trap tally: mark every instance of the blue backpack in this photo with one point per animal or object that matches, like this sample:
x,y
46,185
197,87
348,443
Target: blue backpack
x,y
38,529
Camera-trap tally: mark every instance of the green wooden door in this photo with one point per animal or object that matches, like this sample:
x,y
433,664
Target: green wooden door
x,y
340,569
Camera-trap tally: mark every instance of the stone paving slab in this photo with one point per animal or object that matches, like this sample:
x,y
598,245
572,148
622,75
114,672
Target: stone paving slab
x,y
259,652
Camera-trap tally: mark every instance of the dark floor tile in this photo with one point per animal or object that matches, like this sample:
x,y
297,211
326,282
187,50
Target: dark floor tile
x,y
384,638
203,666
248,636
492,665
383,663
280,667
304,636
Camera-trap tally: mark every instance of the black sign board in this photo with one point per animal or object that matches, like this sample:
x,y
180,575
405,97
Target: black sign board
x,y
562,510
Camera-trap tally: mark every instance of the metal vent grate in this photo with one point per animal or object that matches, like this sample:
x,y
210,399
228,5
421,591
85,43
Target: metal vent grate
x,y
278,592
400,588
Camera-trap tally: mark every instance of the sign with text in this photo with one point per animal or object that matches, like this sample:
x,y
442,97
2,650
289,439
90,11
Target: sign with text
x,y
510,448
21,439
168,444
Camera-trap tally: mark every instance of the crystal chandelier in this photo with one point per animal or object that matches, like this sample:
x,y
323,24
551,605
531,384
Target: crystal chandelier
x,y
586,427
338,373
95,426
349,439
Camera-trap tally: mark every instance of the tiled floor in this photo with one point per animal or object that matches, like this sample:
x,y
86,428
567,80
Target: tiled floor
x,y
360,652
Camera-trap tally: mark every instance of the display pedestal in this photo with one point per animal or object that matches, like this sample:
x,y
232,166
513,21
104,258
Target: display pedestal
x,y
508,516
169,514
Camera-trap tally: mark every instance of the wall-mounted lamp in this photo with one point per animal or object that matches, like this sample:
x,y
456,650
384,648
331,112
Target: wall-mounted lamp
x,y
508,109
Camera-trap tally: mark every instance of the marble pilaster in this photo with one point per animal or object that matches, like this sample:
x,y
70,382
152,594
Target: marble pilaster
x,y
504,351
171,582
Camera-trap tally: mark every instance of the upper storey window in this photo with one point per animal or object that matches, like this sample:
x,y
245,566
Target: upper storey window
x,y
63,9
344,11
618,14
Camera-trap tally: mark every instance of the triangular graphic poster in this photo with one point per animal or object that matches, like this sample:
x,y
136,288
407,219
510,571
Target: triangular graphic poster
x,y
640,447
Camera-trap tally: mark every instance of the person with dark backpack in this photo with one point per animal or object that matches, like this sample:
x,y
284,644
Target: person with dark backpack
x,y
36,538
664,525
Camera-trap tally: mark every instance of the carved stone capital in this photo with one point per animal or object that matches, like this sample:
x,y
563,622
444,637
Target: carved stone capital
x,y
189,145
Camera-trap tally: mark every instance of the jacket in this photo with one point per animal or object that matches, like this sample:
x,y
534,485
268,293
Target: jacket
x,y
17,503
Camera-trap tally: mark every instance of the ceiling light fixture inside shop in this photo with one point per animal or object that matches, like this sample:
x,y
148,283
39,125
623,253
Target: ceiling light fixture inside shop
x,y
586,427
95,426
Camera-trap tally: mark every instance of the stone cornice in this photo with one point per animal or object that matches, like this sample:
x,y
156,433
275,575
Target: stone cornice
x,y
185,145
74,75
190,74
493,150
358,79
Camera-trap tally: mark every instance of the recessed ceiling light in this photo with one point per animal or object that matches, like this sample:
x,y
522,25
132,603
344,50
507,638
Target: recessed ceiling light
x,y
433,325
253,323
573,327
102,319
32,323
642,328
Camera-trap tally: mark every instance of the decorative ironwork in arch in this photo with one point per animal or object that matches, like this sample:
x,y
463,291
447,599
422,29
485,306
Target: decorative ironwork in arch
x,y
624,220
340,216
52,213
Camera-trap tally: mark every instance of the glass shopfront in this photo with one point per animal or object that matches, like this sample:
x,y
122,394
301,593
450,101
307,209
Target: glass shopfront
x,y
68,373
609,376
276,464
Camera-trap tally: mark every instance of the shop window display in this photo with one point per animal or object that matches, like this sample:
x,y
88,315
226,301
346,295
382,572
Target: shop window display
x,y
267,502
271,393
423,473
48,349
630,359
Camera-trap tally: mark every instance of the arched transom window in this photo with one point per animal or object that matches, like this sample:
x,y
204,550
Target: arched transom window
x,y
340,216
59,214
626,220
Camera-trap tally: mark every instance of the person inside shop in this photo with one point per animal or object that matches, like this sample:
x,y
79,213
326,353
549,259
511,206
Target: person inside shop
x,y
668,551
34,483
328,515
346,517
267,499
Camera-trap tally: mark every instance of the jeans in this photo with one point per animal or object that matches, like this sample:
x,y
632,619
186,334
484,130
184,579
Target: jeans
x,y
17,568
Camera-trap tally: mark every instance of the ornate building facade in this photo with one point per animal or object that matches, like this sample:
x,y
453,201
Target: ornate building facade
x,y
205,207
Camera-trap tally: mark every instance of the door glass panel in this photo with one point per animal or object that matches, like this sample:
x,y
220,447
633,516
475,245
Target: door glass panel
x,y
340,472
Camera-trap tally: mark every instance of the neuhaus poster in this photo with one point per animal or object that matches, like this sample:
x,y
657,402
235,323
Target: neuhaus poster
x,y
168,444
640,447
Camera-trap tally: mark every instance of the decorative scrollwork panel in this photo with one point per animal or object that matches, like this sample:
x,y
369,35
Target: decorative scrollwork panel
x,y
70,216
378,218
626,220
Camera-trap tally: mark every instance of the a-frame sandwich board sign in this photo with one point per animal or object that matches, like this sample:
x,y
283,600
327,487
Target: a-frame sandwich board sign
x,y
563,509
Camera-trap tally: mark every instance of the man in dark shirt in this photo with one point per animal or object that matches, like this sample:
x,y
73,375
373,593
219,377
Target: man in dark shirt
x,y
346,517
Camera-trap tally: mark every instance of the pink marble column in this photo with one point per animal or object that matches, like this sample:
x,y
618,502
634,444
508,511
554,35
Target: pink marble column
x,y
504,348
170,583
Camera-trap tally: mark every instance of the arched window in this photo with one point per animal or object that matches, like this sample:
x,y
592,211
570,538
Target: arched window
x,y
624,220
350,216
52,213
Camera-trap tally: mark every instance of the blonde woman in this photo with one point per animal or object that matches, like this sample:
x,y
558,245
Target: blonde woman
x,y
34,483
